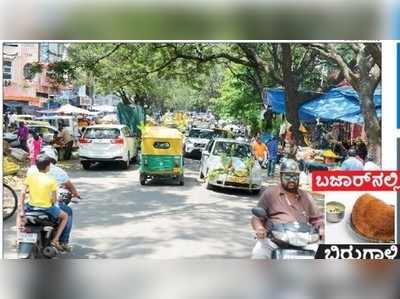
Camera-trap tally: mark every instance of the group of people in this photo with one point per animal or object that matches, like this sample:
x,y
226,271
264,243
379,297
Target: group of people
x,y
32,142
9,120
350,156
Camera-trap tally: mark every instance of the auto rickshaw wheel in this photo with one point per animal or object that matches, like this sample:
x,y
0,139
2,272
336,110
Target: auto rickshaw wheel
x,y
142,179
181,180
255,191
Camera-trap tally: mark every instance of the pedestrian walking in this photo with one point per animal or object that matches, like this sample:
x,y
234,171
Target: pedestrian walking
x,y
35,146
22,135
67,140
272,146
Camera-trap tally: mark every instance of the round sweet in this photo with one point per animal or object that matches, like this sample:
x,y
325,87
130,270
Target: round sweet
x,y
373,218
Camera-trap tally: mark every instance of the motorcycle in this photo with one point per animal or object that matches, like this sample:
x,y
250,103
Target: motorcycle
x,y
34,241
293,240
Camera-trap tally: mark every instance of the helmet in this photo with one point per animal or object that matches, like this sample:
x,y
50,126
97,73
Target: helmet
x,y
51,153
290,175
290,165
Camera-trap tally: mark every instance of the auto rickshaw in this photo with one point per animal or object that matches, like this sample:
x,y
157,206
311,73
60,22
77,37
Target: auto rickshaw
x,y
161,154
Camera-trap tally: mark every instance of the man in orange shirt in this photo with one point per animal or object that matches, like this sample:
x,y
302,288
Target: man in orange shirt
x,y
260,151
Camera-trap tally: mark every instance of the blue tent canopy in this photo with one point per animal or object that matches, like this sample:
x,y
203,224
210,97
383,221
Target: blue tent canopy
x,y
339,103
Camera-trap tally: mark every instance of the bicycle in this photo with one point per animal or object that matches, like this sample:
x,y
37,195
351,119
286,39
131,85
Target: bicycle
x,y
10,201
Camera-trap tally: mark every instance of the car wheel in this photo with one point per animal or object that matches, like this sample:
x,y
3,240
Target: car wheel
x,y
208,185
142,179
125,164
86,164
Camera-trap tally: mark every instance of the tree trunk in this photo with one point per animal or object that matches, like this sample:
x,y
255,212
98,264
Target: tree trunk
x,y
371,123
367,84
292,98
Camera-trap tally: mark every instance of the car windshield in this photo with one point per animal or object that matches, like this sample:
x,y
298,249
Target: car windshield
x,y
221,133
239,150
205,134
101,133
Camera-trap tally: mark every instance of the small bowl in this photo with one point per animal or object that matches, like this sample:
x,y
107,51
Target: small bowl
x,y
334,211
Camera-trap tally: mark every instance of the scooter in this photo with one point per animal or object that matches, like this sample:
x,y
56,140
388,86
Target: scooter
x,y
34,241
293,240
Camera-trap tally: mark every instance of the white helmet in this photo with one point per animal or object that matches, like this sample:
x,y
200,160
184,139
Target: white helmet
x,y
51,152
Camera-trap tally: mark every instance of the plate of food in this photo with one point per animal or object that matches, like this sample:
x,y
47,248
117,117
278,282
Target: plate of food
x,y
372,220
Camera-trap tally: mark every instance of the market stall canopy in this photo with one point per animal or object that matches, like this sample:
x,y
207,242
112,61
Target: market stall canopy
x,y
109,119
341,103
275,97
104,108
69,109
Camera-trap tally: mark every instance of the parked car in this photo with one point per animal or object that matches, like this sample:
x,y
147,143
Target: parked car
x,y
229,163
106,143
196,141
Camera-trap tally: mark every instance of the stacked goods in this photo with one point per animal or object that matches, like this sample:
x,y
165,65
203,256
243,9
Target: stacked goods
x,y
9,167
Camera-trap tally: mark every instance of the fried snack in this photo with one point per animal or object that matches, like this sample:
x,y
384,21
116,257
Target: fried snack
x,y
373,218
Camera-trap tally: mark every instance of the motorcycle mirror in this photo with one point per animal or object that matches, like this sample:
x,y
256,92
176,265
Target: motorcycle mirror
x,y
259,212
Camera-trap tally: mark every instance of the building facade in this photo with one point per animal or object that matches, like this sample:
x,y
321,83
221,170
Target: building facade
x,y
23,87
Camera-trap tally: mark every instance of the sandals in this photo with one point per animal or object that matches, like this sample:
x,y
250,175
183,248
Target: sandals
x,y
57,245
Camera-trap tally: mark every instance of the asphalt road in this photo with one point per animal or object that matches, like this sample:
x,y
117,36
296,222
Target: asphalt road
x,y
119,218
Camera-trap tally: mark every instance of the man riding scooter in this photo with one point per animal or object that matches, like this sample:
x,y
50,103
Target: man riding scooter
x,y
284,204
64,184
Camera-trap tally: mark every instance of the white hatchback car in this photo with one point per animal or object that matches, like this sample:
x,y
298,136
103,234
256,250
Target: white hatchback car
x,y
105,143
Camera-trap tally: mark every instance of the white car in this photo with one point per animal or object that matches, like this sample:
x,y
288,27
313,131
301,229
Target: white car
x,y
229,163
105,143
196,141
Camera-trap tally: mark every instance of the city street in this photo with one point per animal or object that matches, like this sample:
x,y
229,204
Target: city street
x,y
119,218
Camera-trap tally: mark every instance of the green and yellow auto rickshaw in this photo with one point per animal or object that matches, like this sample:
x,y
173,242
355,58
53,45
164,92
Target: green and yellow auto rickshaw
x,y
161,154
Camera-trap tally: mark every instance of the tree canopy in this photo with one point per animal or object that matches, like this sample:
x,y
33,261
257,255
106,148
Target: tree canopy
x,y
187,75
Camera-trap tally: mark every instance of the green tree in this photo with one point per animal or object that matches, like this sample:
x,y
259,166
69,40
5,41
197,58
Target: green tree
x,y
238,99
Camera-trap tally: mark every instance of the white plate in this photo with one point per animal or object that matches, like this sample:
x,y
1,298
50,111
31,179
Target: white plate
x,y
27,237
